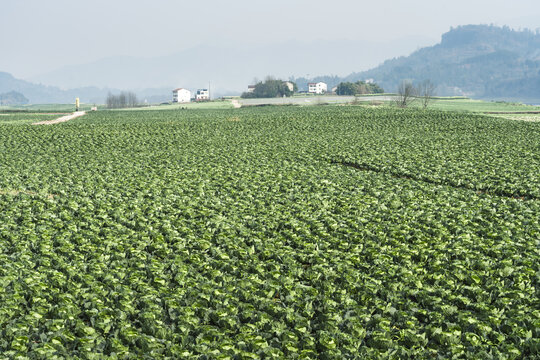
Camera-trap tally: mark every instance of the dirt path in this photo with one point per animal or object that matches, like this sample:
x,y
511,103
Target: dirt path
x,y
236,104
61,119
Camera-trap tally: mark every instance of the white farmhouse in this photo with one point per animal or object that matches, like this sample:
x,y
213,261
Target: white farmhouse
x,y
251,88
289,85
317,88
202,95
181,95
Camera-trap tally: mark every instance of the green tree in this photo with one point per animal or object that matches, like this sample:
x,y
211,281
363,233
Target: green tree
x,y
346,88
358,88
270,88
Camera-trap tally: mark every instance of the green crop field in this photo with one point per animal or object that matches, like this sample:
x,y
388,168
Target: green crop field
x,y
323,232
464,104
458,104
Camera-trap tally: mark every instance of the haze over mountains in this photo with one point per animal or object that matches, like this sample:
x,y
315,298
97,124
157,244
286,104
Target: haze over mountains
x,y
229,68
475,60
43,94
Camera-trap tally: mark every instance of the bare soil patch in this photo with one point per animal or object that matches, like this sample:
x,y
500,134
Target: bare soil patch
x,y
62,119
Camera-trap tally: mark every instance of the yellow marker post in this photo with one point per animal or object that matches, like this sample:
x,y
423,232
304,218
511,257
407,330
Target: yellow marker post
x,y
76,104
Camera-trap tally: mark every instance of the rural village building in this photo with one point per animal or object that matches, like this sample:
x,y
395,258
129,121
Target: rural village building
x,y
202,95
251,88
290,85
317,88
181,95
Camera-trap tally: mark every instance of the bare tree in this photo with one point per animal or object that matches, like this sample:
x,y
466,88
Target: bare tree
x,y
426,91
406,94
109,101
123,100
132,99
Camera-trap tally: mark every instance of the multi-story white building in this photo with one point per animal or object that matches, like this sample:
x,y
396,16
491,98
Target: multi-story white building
x,y
181,95
317,88
202,95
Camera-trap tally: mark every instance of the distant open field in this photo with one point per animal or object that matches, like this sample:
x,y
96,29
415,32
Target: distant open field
x,y
521,117
308,100
216,104
288,232
439,103
47,107
478,105
25,118
449,104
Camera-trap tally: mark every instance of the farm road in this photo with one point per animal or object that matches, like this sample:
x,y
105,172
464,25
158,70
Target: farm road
x,y
313,100
62,119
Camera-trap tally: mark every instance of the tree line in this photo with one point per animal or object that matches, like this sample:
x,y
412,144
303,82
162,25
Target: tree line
x,y
125,99
270,88
358,88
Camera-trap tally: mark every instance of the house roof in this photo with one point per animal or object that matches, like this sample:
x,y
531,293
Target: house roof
x,y
180,89
251,86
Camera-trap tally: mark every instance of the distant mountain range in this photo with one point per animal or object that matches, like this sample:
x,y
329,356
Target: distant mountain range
x,y
478,61
230,68
38,93
42,94
227,69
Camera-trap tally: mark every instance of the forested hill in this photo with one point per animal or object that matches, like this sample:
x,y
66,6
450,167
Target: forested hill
x,y
473,60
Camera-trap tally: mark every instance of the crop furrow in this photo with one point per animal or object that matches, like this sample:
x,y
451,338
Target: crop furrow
x,y
398,175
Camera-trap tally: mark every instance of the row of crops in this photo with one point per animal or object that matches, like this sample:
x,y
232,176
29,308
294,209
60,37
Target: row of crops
x,y
324,232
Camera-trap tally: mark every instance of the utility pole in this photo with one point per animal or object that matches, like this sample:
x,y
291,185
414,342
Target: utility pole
x,y
209,94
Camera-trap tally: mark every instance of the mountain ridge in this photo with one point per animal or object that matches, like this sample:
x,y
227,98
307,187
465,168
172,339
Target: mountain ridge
x,y
482,61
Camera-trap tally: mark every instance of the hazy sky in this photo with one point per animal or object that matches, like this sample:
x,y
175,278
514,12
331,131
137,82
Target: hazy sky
x,y
39,36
